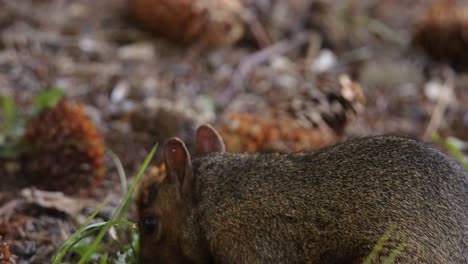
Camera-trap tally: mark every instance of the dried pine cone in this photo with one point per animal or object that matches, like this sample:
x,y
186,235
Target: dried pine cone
x,y
308,121
67,151
245,132
443,34
335,102
5,253
208,22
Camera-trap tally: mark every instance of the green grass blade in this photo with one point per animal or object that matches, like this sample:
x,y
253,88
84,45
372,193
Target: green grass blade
x,y
75,238
112,222
120,170
103,260
129,193
395,253
9,111
122,207
378,247
122,222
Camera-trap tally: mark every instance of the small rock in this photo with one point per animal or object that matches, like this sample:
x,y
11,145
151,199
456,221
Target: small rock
x,y
142,51
120,92
435,89
280,63
89,45
286,81
325,60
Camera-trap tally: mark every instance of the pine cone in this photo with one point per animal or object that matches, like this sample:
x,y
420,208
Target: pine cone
x,y
246,132
67,151
335,102
208,22
308,121
443,34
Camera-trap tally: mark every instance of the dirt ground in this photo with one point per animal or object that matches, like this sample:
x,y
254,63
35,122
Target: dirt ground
x,y
98,55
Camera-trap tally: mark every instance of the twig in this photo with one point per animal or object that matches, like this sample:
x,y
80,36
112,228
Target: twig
x,y
257,29
382,30
246,65
442,103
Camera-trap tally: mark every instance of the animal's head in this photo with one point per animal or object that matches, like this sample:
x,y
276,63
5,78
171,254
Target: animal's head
x,y
166,202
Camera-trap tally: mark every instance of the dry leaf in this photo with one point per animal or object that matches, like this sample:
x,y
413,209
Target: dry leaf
x,y
56,200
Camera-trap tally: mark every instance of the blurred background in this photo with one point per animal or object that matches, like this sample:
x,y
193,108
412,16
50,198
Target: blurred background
x,y
88,87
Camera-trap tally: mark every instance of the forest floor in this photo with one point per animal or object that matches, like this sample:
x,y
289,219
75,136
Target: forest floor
x,y
98,55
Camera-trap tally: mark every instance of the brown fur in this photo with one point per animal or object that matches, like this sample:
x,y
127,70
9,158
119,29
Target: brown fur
x,y
328,207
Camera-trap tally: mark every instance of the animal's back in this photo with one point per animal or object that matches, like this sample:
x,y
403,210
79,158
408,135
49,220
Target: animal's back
x,y
333,206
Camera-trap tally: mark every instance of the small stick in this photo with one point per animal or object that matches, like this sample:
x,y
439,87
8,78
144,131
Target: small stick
x,y
257,29
442,103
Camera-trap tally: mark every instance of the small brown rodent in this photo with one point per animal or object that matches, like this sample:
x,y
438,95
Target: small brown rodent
x,y
331,206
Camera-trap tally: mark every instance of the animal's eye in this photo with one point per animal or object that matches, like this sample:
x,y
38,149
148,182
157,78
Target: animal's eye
x,y
149,224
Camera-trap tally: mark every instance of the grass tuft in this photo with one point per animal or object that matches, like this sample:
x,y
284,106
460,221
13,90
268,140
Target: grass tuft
x,y
91,250
80,234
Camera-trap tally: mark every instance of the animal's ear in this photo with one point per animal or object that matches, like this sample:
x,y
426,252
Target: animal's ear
x,y
179,166
208,141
